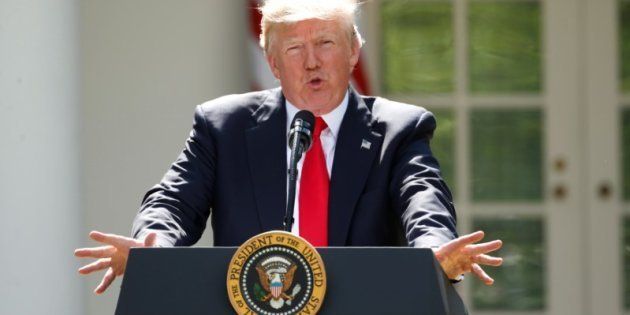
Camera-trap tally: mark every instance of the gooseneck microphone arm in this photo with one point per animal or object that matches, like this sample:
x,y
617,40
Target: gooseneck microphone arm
x,y
293,174
300,138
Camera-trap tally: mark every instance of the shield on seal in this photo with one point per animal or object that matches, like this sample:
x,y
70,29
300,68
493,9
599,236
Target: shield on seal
x,y
276,286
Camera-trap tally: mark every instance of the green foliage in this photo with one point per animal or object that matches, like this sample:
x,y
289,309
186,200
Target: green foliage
x,y
505,49
625,152
443,144
259,293
506,154
626,259
520,283
417,46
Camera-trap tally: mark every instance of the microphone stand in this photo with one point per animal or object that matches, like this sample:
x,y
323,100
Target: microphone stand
x,y
296,153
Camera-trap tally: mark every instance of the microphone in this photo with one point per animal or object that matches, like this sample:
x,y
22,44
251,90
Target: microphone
x,y
302,130
300,139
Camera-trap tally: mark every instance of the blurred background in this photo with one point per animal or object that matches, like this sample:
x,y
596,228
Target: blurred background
x,y
532,99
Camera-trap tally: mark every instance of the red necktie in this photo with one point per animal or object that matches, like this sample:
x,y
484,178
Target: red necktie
x,y
313,197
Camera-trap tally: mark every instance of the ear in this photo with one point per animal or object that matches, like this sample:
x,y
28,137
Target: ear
x,y
273,65
355,52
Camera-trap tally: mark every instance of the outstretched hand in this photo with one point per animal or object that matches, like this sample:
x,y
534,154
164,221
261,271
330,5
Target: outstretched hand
x,y
462,255
112,256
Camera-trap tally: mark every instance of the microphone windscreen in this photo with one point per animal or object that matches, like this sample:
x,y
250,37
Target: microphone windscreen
x,y
307,117
302,128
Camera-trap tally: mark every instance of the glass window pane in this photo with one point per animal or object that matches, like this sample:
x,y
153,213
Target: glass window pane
x,y
505,46
506,154
417,46
626,259
625,158
624,44
443,144
520,282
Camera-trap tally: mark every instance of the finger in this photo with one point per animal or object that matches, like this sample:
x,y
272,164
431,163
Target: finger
x,y
483,248
113,239
149,241
482,274
95,266
95,252
108,278
460,242
488,260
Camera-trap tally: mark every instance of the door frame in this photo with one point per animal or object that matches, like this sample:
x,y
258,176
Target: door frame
x,y
580,103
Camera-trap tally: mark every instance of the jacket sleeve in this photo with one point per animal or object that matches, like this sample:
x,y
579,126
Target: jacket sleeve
x,y
419,193
179,206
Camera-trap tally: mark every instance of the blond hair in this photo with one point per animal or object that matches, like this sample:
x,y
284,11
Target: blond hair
x,y
276,12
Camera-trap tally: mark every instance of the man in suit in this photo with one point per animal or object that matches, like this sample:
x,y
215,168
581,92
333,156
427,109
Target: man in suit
x,y
369,179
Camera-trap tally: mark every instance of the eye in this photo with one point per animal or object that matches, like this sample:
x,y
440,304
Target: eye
x,y
293,49
327,42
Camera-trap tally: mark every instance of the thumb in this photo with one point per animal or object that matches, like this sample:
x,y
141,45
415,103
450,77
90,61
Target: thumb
x,y
149,240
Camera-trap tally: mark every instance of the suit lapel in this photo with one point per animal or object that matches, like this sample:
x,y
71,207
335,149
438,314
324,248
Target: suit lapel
x,y
266,149
356,147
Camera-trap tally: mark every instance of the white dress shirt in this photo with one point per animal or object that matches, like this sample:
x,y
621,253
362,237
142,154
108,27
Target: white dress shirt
x,y
328,138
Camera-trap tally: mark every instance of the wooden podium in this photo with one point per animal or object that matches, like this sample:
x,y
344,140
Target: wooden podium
x,y
361,280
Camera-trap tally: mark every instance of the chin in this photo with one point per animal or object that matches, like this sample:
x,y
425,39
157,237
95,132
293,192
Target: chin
x,y
318,103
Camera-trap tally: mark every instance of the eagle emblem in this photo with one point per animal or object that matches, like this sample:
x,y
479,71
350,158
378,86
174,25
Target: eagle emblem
x,y
276,278
276,273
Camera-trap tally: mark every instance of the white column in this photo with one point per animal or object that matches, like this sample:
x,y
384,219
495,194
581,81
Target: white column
x,y
145,65
39,171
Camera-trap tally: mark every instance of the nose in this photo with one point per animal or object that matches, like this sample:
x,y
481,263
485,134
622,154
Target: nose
x,y
312,61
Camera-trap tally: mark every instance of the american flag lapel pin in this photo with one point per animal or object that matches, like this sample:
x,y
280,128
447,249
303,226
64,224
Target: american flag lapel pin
x,y
366,144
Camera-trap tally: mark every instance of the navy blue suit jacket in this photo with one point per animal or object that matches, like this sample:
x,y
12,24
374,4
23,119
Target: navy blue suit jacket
x,y
234,167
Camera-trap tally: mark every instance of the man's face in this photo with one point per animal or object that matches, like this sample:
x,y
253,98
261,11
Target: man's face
x,y
313,60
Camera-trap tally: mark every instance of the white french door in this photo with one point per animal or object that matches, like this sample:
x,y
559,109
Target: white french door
x,y
533,135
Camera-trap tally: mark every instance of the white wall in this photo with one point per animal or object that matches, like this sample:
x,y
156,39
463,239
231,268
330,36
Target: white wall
x,y
40,215
146,64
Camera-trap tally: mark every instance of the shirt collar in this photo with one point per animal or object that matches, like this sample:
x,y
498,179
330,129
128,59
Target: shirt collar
x,y
332,119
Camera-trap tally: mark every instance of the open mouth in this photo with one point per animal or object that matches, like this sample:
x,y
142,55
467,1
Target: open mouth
x,y
315,83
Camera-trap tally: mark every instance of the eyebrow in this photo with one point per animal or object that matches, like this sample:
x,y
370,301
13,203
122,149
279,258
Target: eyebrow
x,y
296,40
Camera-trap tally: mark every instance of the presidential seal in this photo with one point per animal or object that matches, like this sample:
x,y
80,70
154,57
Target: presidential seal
x,y
276,273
